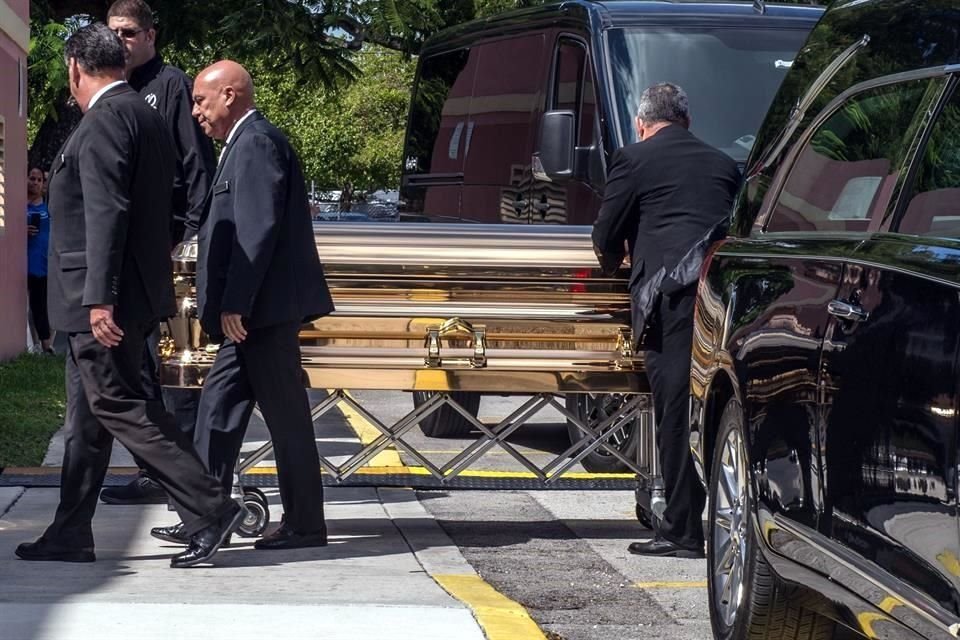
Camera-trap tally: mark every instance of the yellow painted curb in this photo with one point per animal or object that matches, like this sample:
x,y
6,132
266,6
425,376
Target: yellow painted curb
x,y
688,584
500,617
367,434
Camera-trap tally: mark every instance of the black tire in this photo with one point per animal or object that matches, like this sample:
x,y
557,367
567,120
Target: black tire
x,y
593,408
763,606
257,516
446,422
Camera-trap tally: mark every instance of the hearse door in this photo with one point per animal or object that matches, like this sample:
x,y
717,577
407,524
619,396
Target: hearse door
x,y
577,200
505,106
890,381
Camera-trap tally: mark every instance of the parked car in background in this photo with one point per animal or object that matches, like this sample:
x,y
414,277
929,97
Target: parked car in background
x,y
825,372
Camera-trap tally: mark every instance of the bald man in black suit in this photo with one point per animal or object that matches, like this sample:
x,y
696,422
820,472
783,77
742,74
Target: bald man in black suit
x,y
259,278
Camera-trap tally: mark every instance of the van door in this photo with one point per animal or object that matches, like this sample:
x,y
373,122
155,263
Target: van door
x,y
437,136
505,106
576,201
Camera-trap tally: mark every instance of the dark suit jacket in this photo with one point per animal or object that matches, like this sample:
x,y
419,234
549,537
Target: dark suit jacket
x,y
169,91
662,196
257,255
109,200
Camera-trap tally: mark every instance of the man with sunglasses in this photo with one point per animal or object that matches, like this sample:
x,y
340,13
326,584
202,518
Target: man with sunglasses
x,y
168,90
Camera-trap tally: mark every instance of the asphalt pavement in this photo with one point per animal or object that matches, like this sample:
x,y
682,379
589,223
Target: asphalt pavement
x,y
502,565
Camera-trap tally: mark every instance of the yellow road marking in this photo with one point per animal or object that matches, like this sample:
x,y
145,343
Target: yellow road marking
x,y
498,452
500,617
367,434
682,584
949,561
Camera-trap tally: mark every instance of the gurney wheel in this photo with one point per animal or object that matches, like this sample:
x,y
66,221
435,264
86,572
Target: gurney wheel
x,y
258,513
645,517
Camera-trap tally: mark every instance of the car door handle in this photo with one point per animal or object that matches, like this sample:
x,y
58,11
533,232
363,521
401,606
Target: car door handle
x,y
847,311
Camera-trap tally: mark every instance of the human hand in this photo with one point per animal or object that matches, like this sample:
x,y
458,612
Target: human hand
x,y
232,325
32,231
104,329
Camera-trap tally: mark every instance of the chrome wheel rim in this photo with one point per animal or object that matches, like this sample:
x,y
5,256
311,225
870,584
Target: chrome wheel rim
x,y
730,523
600,406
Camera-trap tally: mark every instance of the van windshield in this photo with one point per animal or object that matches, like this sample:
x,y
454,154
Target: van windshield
x,y
729,74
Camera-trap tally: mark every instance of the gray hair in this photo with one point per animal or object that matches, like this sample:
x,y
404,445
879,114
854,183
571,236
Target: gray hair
x,y
96,49
664,102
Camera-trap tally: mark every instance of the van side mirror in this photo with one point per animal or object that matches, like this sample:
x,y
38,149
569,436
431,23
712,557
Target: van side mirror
x,y
554,159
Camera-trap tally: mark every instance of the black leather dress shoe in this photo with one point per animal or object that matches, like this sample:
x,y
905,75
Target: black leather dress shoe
x,y
42,551
175,534
141,490
205,543
664,549
287,538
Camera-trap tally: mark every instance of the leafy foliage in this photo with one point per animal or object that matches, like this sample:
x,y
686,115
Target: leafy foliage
x,y
345,136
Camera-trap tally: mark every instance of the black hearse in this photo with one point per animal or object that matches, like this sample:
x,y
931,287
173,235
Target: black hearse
x,y
826,366
513,118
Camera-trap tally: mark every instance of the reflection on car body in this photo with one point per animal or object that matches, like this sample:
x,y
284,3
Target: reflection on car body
x,y
827,342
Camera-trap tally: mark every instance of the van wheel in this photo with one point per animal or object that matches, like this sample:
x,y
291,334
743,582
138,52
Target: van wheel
x,y
446,422
747,600
594,408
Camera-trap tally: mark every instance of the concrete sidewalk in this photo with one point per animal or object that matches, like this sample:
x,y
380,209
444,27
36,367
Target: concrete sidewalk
x,y
379,577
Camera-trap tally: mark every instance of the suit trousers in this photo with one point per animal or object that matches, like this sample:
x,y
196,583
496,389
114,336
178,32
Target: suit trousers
x,y
669,342
264,369
106,400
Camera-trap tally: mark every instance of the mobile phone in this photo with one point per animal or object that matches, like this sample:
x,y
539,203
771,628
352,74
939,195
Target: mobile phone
x,y
35,220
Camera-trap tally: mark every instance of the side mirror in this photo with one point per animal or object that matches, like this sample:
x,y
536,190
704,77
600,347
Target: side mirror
x,y
554,159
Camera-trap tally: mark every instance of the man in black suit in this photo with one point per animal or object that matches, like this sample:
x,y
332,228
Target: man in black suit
x,y
258,279
168,90
110,282
663,197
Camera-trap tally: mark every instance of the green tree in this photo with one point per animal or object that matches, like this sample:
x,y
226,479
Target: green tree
x,y
348,138
312,44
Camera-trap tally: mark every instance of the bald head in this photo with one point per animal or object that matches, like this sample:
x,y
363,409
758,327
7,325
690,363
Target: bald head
x,y
222,94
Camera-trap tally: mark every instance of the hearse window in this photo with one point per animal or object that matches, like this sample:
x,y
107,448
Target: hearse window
x,y
438,114
933,208
568,76
573,87
847,172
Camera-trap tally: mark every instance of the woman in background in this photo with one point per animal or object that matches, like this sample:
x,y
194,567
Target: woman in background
x,y
38,239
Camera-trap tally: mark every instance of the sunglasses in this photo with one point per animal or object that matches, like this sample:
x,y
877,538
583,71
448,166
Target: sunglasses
x,y
127,33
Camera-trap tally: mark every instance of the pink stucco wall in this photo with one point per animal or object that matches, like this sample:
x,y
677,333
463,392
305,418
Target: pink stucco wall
x,y
13,238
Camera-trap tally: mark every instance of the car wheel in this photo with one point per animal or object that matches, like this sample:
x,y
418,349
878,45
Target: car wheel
x,y
594,408
747,600
446,422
